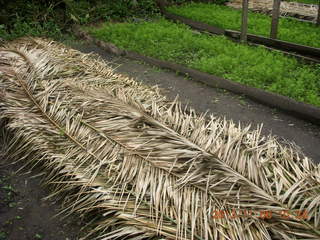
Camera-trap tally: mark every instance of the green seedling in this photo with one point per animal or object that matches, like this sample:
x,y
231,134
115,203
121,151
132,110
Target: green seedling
x,y
216,55
225,17
38,236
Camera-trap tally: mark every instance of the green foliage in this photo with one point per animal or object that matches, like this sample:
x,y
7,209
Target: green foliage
x,y
22,28
84,11
51,17
3,33
228,18
32,18
253,66
305,1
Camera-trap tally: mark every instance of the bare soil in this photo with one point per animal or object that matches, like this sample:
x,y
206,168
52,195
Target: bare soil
x,y
25,215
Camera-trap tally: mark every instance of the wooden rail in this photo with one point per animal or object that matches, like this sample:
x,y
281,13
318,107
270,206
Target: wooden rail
x,y
300,51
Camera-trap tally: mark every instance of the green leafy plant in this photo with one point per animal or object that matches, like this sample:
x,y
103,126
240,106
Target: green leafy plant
x,y
253,66
38,236
50,18
305,1
23,28
228,18
3,32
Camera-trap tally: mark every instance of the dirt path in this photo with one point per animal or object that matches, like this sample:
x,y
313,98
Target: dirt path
x,y
221,103
300,10
24,215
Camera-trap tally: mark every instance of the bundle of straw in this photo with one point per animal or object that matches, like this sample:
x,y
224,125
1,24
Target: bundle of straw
x,y
137,166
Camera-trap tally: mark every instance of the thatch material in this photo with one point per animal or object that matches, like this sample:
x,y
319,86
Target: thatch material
x,y
287,8
141,167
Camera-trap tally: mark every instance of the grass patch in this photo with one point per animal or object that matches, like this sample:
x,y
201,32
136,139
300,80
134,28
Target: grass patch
x,y
305,1
253,66
225,17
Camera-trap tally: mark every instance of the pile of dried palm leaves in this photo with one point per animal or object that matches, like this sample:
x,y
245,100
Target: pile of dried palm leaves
x,y
287,8
140,167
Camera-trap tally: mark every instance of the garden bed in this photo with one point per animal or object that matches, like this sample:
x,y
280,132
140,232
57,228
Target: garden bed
x,y
223,17
215,59
252,66
301,52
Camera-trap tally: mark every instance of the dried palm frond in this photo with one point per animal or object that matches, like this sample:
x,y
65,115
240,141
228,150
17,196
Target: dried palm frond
x,y
143,167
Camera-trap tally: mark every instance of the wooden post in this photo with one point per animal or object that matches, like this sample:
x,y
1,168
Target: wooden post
x,y
162,4
275,18
244,24
318,18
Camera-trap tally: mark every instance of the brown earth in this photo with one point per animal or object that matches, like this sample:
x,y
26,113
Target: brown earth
x,y
25,215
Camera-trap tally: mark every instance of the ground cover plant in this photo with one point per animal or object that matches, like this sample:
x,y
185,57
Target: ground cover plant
x,y
304,1
50,18
253,66
225,17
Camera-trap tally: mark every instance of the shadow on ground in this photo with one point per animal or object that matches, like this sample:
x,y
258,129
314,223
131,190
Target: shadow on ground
x,y
24,215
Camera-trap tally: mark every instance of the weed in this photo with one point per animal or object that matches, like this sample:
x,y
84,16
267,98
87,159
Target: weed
x,y
12,204
38,236
157,69
22,28
3,236
6,192
8,188
242,102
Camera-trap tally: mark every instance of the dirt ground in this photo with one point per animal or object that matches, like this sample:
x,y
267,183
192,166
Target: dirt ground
x,y
24,215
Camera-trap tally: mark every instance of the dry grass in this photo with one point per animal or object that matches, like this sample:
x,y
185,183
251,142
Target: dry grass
x,y
141,167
